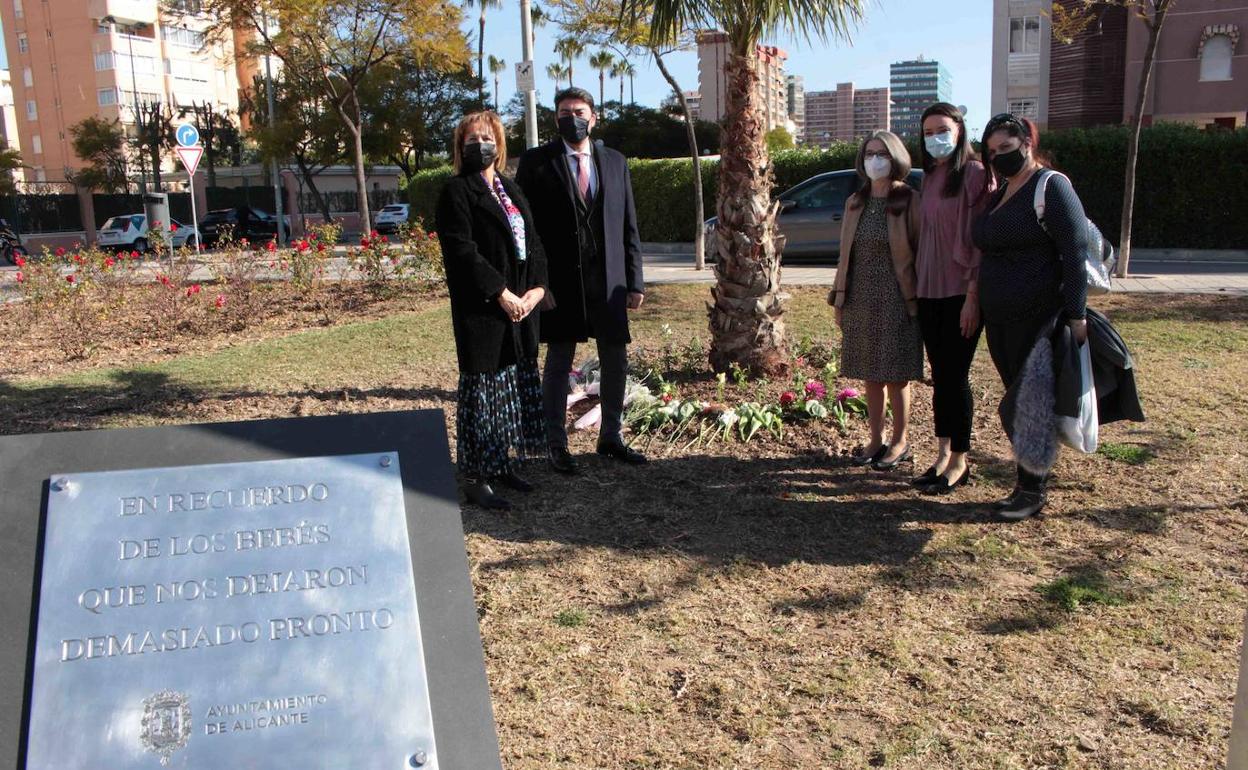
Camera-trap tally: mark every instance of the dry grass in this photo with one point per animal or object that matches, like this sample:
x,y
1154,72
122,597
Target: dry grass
x,y
768,606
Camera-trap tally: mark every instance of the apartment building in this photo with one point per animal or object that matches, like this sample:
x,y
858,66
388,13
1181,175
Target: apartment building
x,y
797,106
846,115
713,54
1199,72
72,59
916,85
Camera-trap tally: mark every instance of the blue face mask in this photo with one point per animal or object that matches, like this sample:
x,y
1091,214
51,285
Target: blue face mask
x,y
939,145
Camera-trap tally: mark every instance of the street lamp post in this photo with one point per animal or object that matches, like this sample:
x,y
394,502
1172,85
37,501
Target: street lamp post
x,y
277,177
530,97
134,86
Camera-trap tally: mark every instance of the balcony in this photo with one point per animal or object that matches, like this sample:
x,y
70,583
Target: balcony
x,y
125,11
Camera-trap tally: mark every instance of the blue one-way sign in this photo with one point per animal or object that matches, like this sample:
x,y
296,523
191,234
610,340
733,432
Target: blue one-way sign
x,y
187,135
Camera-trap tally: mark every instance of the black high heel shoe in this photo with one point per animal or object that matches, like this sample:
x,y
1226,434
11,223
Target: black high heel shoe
x,y
942,485
880,465
861,460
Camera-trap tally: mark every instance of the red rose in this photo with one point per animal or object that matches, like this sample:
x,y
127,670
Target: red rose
x,y
787,398
134,255
272,246
19,261
312,237
364,242
60,251
385,239
320,247
432,236
20,277
667,398
220,302
173,227
109,262
394,260
372,233
69,278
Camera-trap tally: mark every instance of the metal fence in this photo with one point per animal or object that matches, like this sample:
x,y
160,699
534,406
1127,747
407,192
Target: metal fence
x,y
42,212
347,200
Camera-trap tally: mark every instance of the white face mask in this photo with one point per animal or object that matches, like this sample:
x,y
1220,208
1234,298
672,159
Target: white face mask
x,y
877,168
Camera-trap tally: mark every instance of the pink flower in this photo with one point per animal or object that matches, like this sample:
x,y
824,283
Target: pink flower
x,y
816,390
667,398
787,398
433,236
846,394
220,302
20,277
394,260
109,262
801,361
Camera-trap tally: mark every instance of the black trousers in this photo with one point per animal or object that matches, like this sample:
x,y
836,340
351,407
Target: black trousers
x,y
613,358
1009,344
950,355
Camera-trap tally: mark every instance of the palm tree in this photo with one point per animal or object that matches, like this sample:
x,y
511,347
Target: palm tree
x,y
484,5
569,48
496,68
537,18
625,69
602,62
556,72
747,317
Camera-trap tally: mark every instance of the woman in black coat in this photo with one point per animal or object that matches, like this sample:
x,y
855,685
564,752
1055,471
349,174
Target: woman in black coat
x,y
496,275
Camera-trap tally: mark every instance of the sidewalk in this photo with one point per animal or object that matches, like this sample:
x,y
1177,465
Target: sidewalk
x,y
1148,274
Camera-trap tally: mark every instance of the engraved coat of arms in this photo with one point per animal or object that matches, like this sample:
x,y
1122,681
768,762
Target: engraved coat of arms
x,y
166,723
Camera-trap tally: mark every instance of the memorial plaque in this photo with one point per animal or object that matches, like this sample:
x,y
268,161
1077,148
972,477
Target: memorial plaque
x,y
251,614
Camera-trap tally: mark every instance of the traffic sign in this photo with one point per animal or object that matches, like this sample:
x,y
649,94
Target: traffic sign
x,y
525,80
190,157
187,135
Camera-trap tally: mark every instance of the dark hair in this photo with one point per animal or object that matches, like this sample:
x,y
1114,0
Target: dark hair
x,y
1020,128
963,152
898,198
574,93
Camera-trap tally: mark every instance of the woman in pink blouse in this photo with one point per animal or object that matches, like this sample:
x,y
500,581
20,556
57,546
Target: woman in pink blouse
x,y
955,188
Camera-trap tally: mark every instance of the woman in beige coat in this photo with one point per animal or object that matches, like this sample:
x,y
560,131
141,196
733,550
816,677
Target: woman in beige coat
x,y
874,295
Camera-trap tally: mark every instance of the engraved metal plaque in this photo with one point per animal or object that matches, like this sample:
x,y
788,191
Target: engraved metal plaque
x,y
244,615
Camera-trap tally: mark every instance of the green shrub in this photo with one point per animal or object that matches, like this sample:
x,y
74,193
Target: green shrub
x,y
423,191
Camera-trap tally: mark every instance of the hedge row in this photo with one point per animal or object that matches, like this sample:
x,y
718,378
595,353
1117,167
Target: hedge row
x,y
1191,188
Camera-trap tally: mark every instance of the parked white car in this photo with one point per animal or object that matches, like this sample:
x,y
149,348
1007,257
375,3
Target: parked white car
x,y
128,232
390,217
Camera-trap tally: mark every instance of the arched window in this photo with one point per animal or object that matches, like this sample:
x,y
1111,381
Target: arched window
x,y
1215,58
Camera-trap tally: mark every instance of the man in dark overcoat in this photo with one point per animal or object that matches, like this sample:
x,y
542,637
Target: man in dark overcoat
x,y
582,200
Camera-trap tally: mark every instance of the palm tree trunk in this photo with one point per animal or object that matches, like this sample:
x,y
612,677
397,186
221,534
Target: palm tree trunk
x,y
481,61
1133,142
621,90
602,87
747,316
632,90
699,213
496,93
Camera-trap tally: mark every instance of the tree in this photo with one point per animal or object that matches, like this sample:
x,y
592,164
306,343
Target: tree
x,y
413,104
747,317
304,130
484,5
778,139
10,161
337,43
497,67
154,134
1071,19
625,69
101,145
556,72
569,48
602,62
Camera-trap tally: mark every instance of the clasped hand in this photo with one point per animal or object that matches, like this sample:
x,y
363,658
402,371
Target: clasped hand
x,y
518,308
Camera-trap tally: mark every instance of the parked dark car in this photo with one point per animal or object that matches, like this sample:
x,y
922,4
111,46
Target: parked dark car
x,y
257,226
811,214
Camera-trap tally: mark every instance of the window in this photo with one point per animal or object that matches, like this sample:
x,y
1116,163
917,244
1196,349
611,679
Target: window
x,y
106,96
183,36
1215,58
184,69
103,61
17,8
23,44
1025,108
32,110
143,65
36,143
1025,34
28,78
41,175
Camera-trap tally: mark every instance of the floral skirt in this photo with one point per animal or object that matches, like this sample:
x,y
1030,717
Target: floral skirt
x,y
498,420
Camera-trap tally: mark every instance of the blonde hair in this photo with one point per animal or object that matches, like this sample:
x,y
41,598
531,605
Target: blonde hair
x,y
472,120
898,197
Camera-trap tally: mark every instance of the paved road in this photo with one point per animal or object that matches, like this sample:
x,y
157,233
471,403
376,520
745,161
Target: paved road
x,y
1178,277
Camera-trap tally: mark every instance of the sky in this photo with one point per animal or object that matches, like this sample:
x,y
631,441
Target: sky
x,y
957,33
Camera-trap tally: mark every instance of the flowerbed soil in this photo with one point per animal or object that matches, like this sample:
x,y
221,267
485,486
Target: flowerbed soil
x,y
764,604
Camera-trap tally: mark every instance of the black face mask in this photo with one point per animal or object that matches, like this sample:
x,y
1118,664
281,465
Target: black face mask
x,y
573,129
1009,163
478,156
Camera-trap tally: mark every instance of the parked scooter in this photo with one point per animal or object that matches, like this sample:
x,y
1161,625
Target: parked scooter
x,y
11,244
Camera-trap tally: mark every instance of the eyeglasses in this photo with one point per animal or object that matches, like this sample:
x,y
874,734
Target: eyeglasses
x,y
872,154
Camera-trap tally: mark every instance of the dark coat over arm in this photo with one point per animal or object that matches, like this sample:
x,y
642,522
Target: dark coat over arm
x,y
480,255
547,183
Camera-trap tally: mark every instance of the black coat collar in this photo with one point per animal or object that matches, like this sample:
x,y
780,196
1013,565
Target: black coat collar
x,y
485,197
